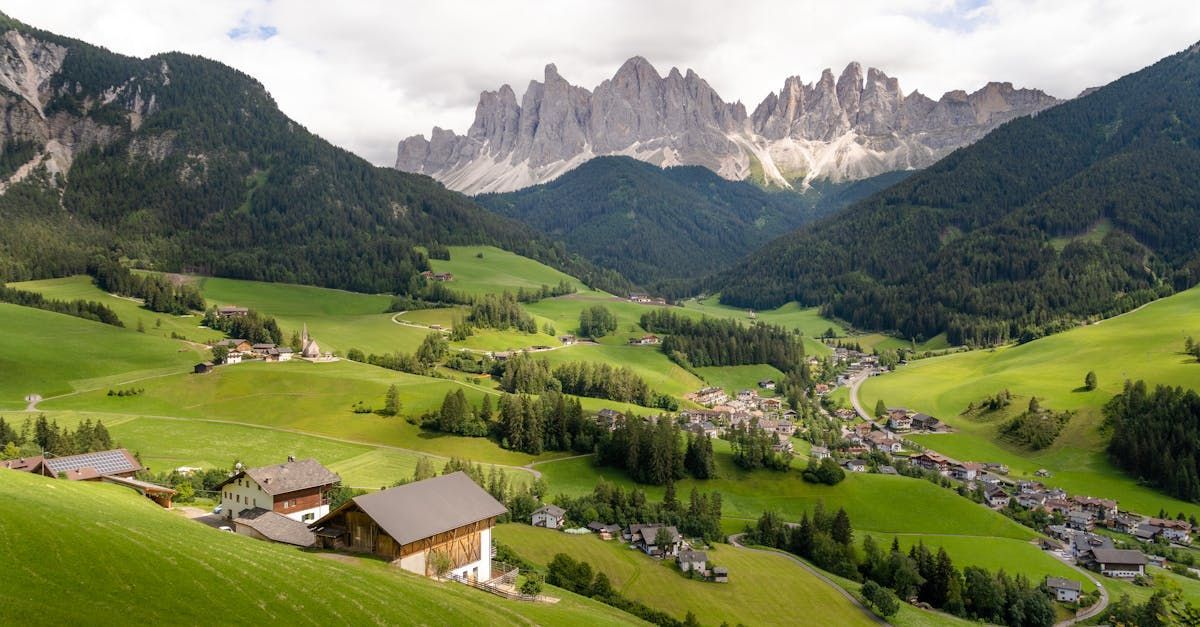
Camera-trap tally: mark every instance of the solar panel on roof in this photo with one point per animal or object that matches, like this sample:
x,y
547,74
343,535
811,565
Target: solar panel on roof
x,y
105,462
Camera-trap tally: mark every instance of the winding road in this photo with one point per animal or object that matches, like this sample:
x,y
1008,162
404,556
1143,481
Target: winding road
x,y
736,540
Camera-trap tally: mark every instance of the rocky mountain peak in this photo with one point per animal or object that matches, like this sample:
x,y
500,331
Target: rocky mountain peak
x,y
851,126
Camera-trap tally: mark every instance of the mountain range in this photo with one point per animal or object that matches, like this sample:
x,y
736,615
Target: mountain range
x,y
845,128
1085,210
177,162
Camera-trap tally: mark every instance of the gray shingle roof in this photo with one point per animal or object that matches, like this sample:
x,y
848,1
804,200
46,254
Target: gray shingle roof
x,y
277,527
692,556
1118,556
289,476
553,510
426,508
1066,584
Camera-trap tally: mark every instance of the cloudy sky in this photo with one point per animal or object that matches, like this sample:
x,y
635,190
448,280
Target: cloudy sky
x,y
366,74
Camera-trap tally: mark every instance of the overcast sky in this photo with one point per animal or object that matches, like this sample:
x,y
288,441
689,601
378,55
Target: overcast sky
x,y
366,74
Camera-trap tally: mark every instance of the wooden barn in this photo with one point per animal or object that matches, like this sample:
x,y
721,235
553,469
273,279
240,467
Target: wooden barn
x,y
436,526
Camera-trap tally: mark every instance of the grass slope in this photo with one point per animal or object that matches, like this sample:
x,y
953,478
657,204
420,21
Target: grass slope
x,y
1145,344
50,354
306,397
489,270
164,443
763,588
879,503
77,552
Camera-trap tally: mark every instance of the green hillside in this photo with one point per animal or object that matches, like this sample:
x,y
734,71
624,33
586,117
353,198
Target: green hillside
x,y
1002,238
1145,344
87,552
51,354
759,583
213,176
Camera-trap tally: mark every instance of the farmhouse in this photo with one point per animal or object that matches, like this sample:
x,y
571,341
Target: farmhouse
x,y
711,396
899,420
705,428
1172,530
606,532
645,538
932,461
819,452
117,466
690,560
1064,590
767,384
965,471
236,345
549,516
925,422
997,498
609,419
1125,522
645,340
568,339
855,465
1081,521
441,522
230,311
1115,562
296,489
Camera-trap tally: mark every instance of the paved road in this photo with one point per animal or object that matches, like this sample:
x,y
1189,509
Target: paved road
x,y
1096,608
736,540
858,408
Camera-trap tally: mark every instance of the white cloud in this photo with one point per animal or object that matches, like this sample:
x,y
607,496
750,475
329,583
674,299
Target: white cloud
x,y
365,74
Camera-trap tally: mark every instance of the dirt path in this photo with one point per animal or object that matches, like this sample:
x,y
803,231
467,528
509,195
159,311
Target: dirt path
x,y
32,400
736,540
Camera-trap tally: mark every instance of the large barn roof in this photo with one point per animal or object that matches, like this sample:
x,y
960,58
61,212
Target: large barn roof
x,y
426,508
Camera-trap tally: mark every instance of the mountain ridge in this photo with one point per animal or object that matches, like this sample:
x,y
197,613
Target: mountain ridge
x,y
847,128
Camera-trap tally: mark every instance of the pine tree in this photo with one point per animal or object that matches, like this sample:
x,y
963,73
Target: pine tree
x,y
1089,381
424,469
391,402
880,408
841,531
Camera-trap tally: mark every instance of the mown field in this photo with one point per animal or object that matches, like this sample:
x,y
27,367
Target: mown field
x,y
165,443
486,269
763,588
77,552
51,354
1145,344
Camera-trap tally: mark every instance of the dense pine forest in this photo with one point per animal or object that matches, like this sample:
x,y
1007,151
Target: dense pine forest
x,y
1156,437
1087,209
196,169
654,224
724,342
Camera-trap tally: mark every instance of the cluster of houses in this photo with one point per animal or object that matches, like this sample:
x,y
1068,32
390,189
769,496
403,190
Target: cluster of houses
x,y
238,350
117,466
438,276
440,526
646,299
656,540
902,420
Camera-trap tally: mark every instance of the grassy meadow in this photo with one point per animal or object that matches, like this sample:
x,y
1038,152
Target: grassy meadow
x,y
763,588
1145,344
83,549
486,269
51,354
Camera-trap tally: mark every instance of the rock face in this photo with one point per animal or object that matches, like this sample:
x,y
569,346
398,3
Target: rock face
x,y
840,129
30,80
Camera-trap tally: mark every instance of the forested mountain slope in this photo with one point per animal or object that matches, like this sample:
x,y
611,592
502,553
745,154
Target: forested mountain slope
x,y
182,163
1086,209
654,224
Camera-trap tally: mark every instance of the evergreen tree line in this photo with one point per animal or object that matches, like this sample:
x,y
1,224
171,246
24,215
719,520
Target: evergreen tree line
x,y
501,311
974,593
724,342
991,242
752,448
596,321
1156,437
157,292
253,327
525,374
86,309
41,435
551,421
650,452
611,504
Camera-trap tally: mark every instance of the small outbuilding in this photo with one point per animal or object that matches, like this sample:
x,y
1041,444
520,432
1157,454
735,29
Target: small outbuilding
x,y
204,367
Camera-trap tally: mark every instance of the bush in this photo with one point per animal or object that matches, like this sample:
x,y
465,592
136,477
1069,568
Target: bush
x,y
532,585
883,600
